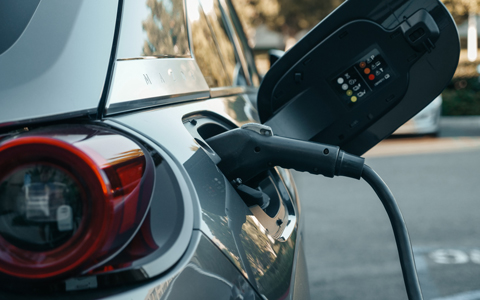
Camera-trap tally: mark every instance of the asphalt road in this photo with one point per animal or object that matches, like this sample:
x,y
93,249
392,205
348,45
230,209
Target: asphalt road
x,y
351,253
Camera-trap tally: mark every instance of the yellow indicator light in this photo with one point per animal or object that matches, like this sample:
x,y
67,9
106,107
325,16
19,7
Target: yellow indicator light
x,y
354,99
349,93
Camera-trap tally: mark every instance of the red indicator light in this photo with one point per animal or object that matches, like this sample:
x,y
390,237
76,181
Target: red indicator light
x,y
371,77
367,71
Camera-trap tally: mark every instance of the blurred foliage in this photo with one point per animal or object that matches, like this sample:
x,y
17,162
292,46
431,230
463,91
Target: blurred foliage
x,y
461,8
466,68
462,97
225,46
297,15
205,49
214,53
253,13
291,16
285,16
165,29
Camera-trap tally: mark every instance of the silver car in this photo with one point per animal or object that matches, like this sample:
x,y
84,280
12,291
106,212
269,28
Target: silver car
x,y
123,174
108,188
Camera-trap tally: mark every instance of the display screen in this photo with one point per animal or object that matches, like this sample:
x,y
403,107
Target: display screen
x,y
364,77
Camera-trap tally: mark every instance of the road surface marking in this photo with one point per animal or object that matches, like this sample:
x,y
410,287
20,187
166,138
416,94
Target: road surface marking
x,y
449,256
454,256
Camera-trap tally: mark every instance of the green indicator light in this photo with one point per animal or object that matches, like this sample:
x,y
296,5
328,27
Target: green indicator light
x,y
349,93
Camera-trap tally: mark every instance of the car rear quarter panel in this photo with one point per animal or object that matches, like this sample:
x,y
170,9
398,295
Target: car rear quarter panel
x,y
269,265
58,66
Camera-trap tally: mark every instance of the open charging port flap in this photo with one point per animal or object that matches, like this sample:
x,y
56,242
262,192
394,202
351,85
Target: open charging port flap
x,y
361,73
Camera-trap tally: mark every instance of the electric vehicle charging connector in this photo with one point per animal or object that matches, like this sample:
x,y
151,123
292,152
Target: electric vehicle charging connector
x,y
253,149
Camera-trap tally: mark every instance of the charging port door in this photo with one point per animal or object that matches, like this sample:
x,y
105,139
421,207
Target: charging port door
x,y
361,73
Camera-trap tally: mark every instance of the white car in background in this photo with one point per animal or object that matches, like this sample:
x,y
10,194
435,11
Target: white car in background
x,y
425,122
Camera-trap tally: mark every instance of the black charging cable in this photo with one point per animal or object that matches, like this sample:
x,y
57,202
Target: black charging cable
x,y
400,232
253,149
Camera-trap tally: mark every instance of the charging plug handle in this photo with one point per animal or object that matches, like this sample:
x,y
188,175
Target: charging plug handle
x,y
253,149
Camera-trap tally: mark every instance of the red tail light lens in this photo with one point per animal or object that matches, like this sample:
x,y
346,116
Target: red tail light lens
x,y
69,200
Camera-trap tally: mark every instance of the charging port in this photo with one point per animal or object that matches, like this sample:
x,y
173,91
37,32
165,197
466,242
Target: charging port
x,y
266,194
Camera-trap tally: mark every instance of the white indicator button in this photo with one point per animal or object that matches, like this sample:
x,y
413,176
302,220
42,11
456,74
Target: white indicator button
x,y
345,87
340,80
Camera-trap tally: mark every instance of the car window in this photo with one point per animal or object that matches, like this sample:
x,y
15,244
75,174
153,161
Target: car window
x,y
222,40
205,49
242,38
214,16
153,28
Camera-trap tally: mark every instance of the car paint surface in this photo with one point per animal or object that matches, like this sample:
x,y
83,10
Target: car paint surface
x,y
58,66
225,219
223,250
207,275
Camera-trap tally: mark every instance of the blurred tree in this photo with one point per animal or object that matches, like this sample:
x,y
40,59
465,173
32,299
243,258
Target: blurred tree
x,y
291,16
253,13
461,8
297,15
166,32
288,17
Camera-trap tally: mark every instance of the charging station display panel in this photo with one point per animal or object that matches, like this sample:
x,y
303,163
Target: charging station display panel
x,y
361,73
358,82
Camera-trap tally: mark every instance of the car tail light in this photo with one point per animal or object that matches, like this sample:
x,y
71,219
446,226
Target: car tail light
x,y
70,199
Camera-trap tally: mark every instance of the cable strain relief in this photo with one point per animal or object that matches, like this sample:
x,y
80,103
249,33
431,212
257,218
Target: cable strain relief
x,y
349,165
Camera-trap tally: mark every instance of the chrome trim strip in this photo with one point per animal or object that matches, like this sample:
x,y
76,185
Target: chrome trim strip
x,y
127,106
226,91
151,82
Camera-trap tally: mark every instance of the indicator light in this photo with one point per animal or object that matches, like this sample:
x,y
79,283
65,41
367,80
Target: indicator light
x,y
340,80
363,64
367,71
349,93
354,99
371,77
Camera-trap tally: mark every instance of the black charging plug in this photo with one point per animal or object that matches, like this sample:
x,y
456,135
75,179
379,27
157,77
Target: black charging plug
x,y
253,149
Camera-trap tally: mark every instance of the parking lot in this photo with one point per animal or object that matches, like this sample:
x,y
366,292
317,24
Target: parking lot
x,y
350,247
